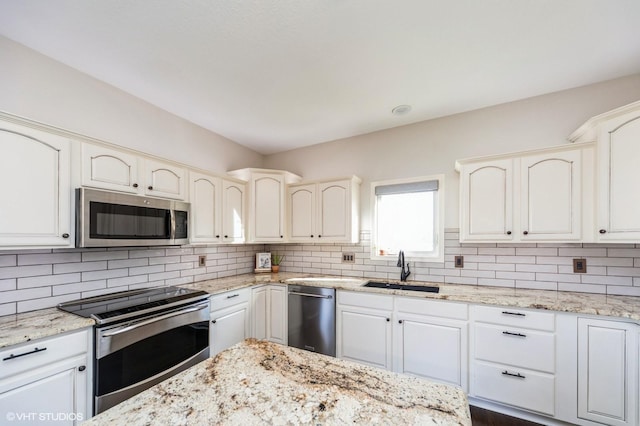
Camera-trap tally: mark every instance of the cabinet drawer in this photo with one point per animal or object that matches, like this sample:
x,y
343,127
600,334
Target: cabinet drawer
x,y
365,300
432,308
230,298
534,350
518,387
20,358
515,317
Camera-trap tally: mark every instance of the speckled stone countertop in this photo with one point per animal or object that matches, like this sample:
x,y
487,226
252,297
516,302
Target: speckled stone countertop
x,y
561,301
21,328
257,382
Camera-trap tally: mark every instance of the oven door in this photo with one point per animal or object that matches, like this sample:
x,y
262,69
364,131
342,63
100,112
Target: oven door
x,y
137,354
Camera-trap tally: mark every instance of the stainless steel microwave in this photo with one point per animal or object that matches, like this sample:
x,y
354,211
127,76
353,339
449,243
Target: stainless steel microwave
x,y
111,219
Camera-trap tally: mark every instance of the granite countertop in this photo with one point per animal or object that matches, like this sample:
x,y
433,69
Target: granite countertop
x,y
561,301
21,328
257,382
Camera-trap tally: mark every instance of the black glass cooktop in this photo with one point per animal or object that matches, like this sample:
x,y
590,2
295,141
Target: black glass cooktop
x,y
126,304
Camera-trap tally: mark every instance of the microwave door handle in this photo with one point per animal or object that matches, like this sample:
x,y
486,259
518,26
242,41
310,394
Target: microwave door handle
x,y
172,224
155,319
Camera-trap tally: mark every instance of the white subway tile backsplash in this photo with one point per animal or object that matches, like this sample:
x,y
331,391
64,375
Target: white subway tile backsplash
x,y
523,276
495,266
610,261
582,252
536,285
567,278
149,269
523,267
607,280
46,302
7,285
66,268
25,271
92,256
496,282
8,309
147,253
122,281
104,274
502,251
628,252
516,259
25,294
48,280
632,272
583,288
79,287
8,260
43,259
127,263
623,290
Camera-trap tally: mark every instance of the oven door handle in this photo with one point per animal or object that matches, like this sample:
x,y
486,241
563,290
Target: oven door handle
x,y
155,319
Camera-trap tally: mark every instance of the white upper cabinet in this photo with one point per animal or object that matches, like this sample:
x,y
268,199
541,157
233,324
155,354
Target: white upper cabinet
x,y
233,211
118,170
617,136
206,212
266,202
36,193
325,211
107,168
542,195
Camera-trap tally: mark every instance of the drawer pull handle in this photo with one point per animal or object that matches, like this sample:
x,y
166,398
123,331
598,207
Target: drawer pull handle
x,y
12,356
518,314
232,296
518,375
508,333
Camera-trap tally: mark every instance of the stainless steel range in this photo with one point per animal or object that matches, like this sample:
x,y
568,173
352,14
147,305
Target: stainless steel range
x,y
142,337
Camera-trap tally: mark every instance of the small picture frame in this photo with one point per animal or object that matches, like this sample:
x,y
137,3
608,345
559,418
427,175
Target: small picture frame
x,y
263,262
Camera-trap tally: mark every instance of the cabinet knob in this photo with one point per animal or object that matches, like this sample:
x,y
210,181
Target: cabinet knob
x,y
312,236
82,368
217,236
226,236
213,321
135,185
281,236
525,232
508,232
65,235
603,231
388,319
319,236
150,188
399,321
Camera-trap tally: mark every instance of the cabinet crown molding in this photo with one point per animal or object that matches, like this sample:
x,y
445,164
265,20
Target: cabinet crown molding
x,y
588,131
245,174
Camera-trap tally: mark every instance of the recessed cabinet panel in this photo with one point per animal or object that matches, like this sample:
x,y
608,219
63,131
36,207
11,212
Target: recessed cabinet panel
x,y
36,192
550,191
488,196
365,336
164,180
268,204
205,208
302,205
228,327
233,212
109,169
335,210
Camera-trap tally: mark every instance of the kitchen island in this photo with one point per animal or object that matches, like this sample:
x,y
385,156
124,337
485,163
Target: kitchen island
x,y
257,382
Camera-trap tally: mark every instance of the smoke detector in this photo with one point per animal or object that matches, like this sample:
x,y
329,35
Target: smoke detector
x,y
401,110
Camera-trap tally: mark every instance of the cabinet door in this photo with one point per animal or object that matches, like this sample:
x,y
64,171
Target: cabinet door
x,y
55,390
259,305
607,358
107,168
36,189
619,179
206,197
164,180
228,327
550,196
364,335
233,212
277,314
334,211
268,207
302,213
486,201
417,355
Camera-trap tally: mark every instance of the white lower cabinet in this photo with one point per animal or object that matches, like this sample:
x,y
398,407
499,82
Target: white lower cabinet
x,y
607,371
363,328
47,381
413,336
230,319
269,313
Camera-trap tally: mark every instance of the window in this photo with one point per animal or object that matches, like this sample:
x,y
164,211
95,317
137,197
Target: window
x,y
408,215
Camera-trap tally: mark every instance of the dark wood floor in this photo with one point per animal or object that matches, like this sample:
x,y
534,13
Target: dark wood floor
x,y
481,417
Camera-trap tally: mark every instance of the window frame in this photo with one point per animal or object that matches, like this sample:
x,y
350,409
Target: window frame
x,y
438,253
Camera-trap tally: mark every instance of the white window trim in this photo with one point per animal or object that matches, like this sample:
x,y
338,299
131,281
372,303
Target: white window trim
x,y
439,227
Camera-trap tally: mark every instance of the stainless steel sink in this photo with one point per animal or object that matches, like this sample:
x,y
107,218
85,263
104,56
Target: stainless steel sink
x,y
396,286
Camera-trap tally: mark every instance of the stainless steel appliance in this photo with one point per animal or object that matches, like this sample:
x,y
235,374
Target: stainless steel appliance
x,y
312,319
143,337
107,219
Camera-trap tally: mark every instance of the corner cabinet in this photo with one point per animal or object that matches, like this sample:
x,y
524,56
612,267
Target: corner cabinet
x,y
36,207
269,313
324,211
119,170
267,206
542,195
617,137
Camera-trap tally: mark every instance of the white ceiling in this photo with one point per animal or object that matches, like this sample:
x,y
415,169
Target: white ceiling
x,y
278,74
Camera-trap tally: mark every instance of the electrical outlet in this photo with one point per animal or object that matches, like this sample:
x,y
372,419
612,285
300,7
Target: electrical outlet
x,y
580,266
202,260
458,261
348,258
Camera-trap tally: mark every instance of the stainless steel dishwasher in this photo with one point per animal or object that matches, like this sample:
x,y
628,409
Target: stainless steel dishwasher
x,y
312,319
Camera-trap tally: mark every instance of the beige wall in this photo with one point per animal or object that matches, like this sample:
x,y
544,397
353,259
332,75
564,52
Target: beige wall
x,y
38,88
431,147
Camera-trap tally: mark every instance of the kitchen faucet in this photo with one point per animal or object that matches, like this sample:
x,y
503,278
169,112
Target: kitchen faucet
x,y
403,274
